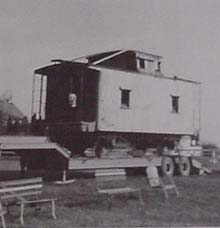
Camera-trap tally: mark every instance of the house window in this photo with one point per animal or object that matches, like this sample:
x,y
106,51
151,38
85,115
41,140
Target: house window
x,y
142,63
125,98
175,104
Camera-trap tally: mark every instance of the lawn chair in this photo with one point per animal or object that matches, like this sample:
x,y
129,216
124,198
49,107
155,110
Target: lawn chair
x,y
166,182
111,182
23,192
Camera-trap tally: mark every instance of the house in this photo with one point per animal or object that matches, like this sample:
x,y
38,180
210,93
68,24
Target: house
x,y
11,117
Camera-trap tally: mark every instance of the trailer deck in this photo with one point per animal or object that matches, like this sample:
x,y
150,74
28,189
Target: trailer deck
x,y
107,163
27,143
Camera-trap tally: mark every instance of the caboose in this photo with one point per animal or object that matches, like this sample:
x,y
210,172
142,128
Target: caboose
x,y
114,99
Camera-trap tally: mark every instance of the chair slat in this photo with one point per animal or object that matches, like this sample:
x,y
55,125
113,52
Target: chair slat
x,y
21,182
9,196
39,201
117,190
110,178
109,172
21,188
110,175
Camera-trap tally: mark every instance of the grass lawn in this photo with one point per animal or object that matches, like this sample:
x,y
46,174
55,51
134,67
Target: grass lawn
x,y
79,205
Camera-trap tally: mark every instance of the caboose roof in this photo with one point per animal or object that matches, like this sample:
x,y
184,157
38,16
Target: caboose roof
x,y
61,66
92,62
95,59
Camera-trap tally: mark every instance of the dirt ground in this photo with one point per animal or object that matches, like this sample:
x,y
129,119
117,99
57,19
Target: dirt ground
x,y
79,205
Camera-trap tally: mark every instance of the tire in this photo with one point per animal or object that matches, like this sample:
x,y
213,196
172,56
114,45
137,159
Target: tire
x,y
184,166
167,166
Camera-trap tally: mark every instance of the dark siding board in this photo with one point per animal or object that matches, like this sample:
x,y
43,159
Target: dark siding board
x,y
125,61
57,98
100,56
74,114
90,100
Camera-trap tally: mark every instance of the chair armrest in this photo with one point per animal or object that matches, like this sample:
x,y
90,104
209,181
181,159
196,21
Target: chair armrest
x,y
37,201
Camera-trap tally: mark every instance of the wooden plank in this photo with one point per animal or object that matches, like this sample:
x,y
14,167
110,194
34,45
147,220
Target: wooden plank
x,y
21,182
110,178
9,196
21,188
153,176
27,146
39,201
33,146
23,139
80,164
109,172
117,190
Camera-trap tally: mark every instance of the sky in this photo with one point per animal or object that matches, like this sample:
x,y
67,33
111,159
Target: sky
x,y
186,33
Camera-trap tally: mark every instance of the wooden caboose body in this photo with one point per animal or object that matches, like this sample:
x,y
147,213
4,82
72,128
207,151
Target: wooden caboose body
x,y
114,94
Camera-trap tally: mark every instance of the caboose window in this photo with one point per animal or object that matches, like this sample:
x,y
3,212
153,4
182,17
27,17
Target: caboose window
x,y
125,98
142,63
175,104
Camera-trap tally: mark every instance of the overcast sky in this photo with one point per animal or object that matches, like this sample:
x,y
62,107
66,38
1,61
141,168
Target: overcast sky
x,y
186,33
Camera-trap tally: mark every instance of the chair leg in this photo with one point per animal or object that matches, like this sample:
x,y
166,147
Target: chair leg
x,y
22,214
7,208
174,186
2,216
3,221
165,193
177,191
53,209
110,199
140,197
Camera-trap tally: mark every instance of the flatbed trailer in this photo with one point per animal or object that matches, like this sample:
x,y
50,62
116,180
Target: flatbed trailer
x,y
39,153
29,148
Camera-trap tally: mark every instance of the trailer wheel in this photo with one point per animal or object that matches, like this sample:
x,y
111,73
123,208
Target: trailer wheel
x,y
167,166
184,166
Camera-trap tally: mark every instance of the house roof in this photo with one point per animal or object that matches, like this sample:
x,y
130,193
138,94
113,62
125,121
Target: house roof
x,y
10,110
